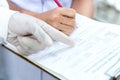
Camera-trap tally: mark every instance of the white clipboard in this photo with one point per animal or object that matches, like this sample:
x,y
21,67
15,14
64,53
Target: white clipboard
x,y
12,49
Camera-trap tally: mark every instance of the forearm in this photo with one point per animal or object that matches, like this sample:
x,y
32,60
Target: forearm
x,y
84,7
16,8
13,6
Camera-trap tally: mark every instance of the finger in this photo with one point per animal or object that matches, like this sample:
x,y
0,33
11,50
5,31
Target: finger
x,y
67,21
28,45
65,29
57,35
13,40
32,44
42,36
68,12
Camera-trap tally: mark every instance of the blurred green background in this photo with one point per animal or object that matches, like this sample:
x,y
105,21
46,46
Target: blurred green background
x,y
107,11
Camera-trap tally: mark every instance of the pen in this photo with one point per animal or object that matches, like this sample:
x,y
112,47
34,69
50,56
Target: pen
x,y
58,3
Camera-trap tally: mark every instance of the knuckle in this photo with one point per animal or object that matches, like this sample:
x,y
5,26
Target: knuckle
x,y
73,12
55,18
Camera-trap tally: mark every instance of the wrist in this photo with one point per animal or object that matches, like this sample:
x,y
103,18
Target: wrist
x,y
40,16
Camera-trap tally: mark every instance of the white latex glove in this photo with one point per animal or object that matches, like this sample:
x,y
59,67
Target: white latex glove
x,y
30,34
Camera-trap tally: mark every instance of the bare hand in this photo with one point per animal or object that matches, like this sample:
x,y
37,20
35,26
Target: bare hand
x,y
62,19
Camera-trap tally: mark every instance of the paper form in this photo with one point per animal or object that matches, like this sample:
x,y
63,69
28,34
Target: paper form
x,y
96,55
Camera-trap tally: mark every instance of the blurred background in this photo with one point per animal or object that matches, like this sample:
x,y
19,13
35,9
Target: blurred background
x,y
104,11
107,11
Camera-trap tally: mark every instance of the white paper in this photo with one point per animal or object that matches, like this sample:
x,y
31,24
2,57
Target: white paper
x,y
96,55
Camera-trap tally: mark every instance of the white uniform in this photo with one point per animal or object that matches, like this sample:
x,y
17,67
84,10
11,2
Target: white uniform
x,y
41,5
5,15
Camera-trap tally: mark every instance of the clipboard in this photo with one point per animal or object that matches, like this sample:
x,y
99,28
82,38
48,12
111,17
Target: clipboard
x,y
12,49
104,33
9,47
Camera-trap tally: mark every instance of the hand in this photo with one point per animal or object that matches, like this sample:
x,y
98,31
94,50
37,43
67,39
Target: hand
x,y
62,19
30,34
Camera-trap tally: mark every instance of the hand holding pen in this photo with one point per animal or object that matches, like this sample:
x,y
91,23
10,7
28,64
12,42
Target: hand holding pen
x,y
60,18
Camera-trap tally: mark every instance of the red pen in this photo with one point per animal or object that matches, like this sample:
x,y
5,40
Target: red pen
x,y
58,3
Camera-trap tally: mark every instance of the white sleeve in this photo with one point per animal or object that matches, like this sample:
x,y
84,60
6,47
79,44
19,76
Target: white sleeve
x,y
5,15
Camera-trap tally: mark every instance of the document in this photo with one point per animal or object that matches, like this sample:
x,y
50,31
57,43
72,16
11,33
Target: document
x,y
96,55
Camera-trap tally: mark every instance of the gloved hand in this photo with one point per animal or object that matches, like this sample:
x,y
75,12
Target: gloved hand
x,y
30,34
